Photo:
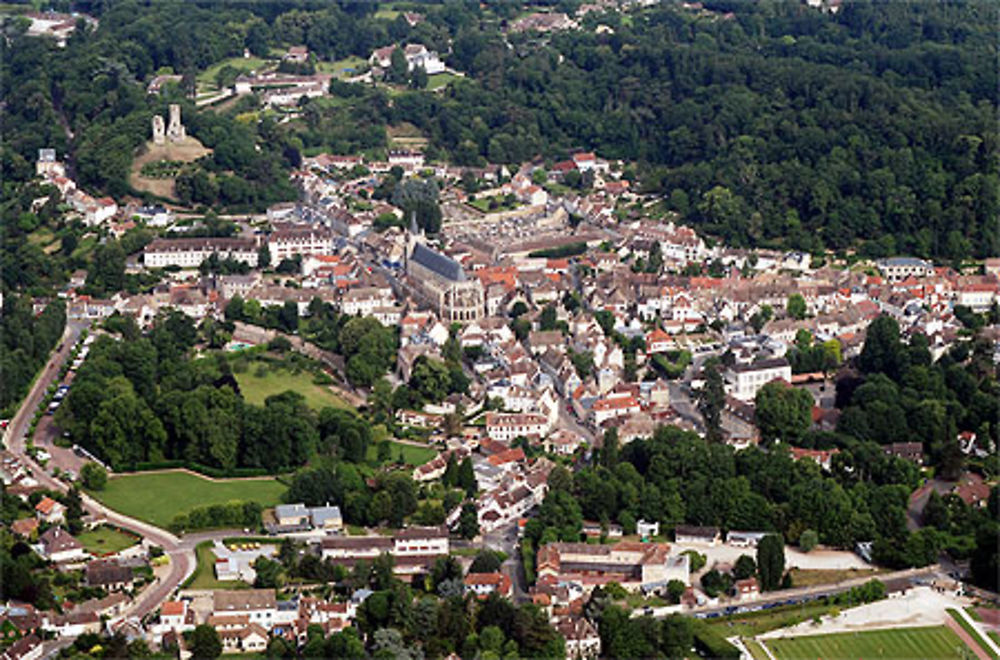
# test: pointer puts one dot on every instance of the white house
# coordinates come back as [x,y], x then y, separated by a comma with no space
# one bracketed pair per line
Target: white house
[743,380]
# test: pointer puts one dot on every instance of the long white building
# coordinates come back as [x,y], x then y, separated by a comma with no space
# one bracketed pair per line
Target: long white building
[190,252]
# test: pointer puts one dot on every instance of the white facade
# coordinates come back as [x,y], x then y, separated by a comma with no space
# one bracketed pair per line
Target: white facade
[505,428]
[190,252]
[744,380]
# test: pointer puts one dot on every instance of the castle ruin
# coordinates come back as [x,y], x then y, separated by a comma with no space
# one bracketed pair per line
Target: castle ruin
[174,131]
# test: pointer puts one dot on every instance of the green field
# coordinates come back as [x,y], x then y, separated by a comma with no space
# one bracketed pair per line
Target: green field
[241,63]
[439,80]
[337,68]
[752,624]
[204,572]
[931,642]
[972,632]
[158,497]
[106,540]
[412,455]
[255,389]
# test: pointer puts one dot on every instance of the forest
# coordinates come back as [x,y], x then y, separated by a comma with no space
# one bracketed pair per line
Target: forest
[25,342]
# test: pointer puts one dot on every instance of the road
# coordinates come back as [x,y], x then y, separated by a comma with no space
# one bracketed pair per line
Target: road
[181,553]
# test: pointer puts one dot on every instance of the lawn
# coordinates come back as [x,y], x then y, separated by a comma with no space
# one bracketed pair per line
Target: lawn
[972,632]
[930,642]
[755,650]
[412,455]
[255,389]
[810,578]
[337,68]
[439,80]
[756,623]
[106,540]
[204,572]
[241,63]
[158,497]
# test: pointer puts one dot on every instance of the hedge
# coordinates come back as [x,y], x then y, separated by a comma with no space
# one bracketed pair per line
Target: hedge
[711,644]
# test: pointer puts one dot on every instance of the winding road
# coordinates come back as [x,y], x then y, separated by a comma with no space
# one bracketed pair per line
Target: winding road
[180,551]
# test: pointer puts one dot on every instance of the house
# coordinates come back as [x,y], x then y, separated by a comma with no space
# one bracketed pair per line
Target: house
[49,511]
[108,575]
[252,638]
[897,269]
[190,252]
[744,539]
[505,427]
[659,341]
[327,518]
[698,535]
[26,648]
[291,515]
[59,546]
[910,451]
[483,584]
[296,55]
[823,457]
[176,615]
[260,606]
[746,589]
[634,565]
[647,529]
[582,639]
[744,380]
[25,527]
[613,407]
[413,548]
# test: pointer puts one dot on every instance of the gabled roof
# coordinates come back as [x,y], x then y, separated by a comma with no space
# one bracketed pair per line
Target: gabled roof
[438,263]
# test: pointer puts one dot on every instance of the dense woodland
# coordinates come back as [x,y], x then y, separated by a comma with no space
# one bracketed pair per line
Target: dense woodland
[25,342]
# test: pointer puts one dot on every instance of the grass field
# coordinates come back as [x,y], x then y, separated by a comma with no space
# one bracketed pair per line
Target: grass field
[439,80]
[755,650]
[809,578]
[337,68]
[255,389]
[972,632]
[412,455]
[203,576]
[931,642]
[158,497]
[752,624]
[106,540]
[240,63]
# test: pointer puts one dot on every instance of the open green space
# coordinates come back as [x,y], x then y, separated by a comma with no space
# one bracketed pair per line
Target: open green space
[973,633]
[930,642]
[337,67]
[276,380]
[203,576]
[412,455]
[439,80]
[241,63]
[158,497]
[106,540]
[752,624]
[755,650]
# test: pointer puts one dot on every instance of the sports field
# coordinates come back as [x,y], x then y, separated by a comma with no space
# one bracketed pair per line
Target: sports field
[277,380]
[158,497]
[936,642]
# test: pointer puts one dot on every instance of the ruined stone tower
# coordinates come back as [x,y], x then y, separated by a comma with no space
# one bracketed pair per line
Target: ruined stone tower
[159,136]
[175,130]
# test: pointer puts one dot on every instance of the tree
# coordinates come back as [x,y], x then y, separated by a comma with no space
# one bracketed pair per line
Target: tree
[676,636]
[398,67]
[93,476]
[770,561]
[486,561]
[782,412]
[205,642]
[796,306]
[744,567]
[808,540]
[263,257]
[883,351]
[675,589]
[711,401]
[547,319]
[468,521]
[467,477]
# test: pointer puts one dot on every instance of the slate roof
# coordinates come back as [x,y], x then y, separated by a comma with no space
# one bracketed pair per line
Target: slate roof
[444,266]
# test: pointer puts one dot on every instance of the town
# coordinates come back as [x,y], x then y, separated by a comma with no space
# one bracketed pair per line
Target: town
[522,408]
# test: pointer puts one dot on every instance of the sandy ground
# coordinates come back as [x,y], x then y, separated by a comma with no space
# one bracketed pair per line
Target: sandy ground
[922,606]
[817,559]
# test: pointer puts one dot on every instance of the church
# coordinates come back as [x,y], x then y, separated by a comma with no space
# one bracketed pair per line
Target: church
[442,283]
